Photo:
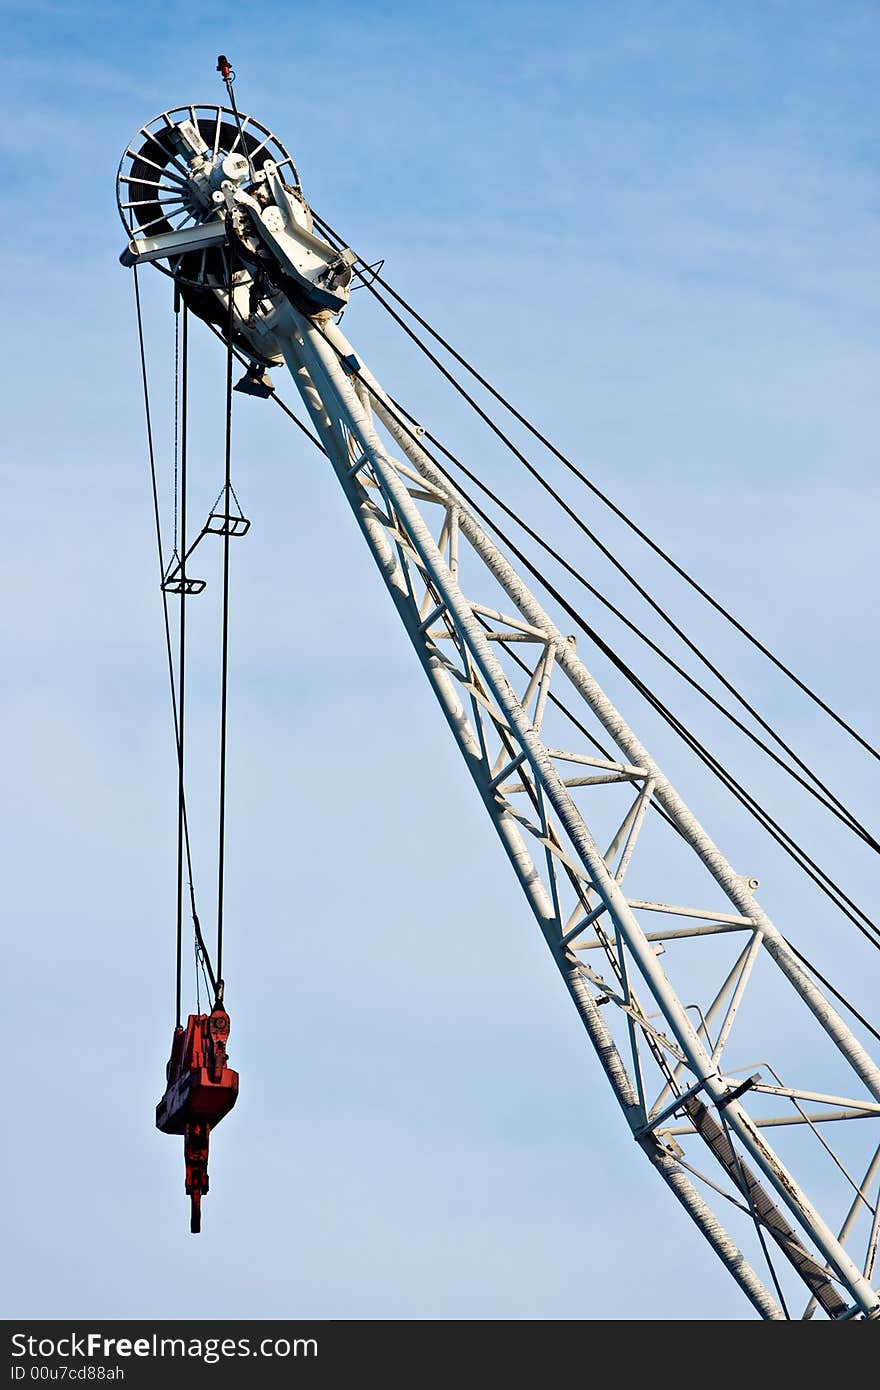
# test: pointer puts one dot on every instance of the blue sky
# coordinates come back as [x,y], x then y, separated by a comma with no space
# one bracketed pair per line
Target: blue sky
[657,225]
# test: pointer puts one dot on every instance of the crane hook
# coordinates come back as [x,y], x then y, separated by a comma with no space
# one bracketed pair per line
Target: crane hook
[201,1088]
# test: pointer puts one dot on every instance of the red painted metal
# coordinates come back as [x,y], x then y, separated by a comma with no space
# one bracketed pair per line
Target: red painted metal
[201,1089]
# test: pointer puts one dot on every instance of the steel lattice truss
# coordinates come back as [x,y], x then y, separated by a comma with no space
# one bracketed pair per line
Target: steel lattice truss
[592,840]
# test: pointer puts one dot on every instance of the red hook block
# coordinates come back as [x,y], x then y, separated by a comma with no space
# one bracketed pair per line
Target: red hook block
[201,1089]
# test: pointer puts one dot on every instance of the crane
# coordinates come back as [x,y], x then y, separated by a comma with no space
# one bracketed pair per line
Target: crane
[720,1044]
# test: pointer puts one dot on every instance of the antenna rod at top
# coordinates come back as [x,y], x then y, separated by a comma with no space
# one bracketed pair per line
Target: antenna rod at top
[227,72]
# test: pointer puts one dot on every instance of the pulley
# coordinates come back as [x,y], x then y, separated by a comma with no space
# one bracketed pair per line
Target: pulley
[201,1089]
[213,199]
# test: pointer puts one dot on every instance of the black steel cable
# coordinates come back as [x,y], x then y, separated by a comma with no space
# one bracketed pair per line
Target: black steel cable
[843,813]
[210,985]
[823,881]
[833,805]
[291,414]
[731,785]
[582,729]
[743,1184]
[183,393]
[228,79]
[661,811]
[787,842]
[747,1191]
[756,810]
[826,884]
[563,708]
[553,698]
[224,676]
[655,805]
[167,623]
[583,478]
[613,956]
[176,406]
[841,998]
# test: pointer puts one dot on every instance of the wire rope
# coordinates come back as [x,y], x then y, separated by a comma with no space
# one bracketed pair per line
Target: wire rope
[584,479]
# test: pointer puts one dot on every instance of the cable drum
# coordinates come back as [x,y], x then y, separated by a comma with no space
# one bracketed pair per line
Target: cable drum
[157,191]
